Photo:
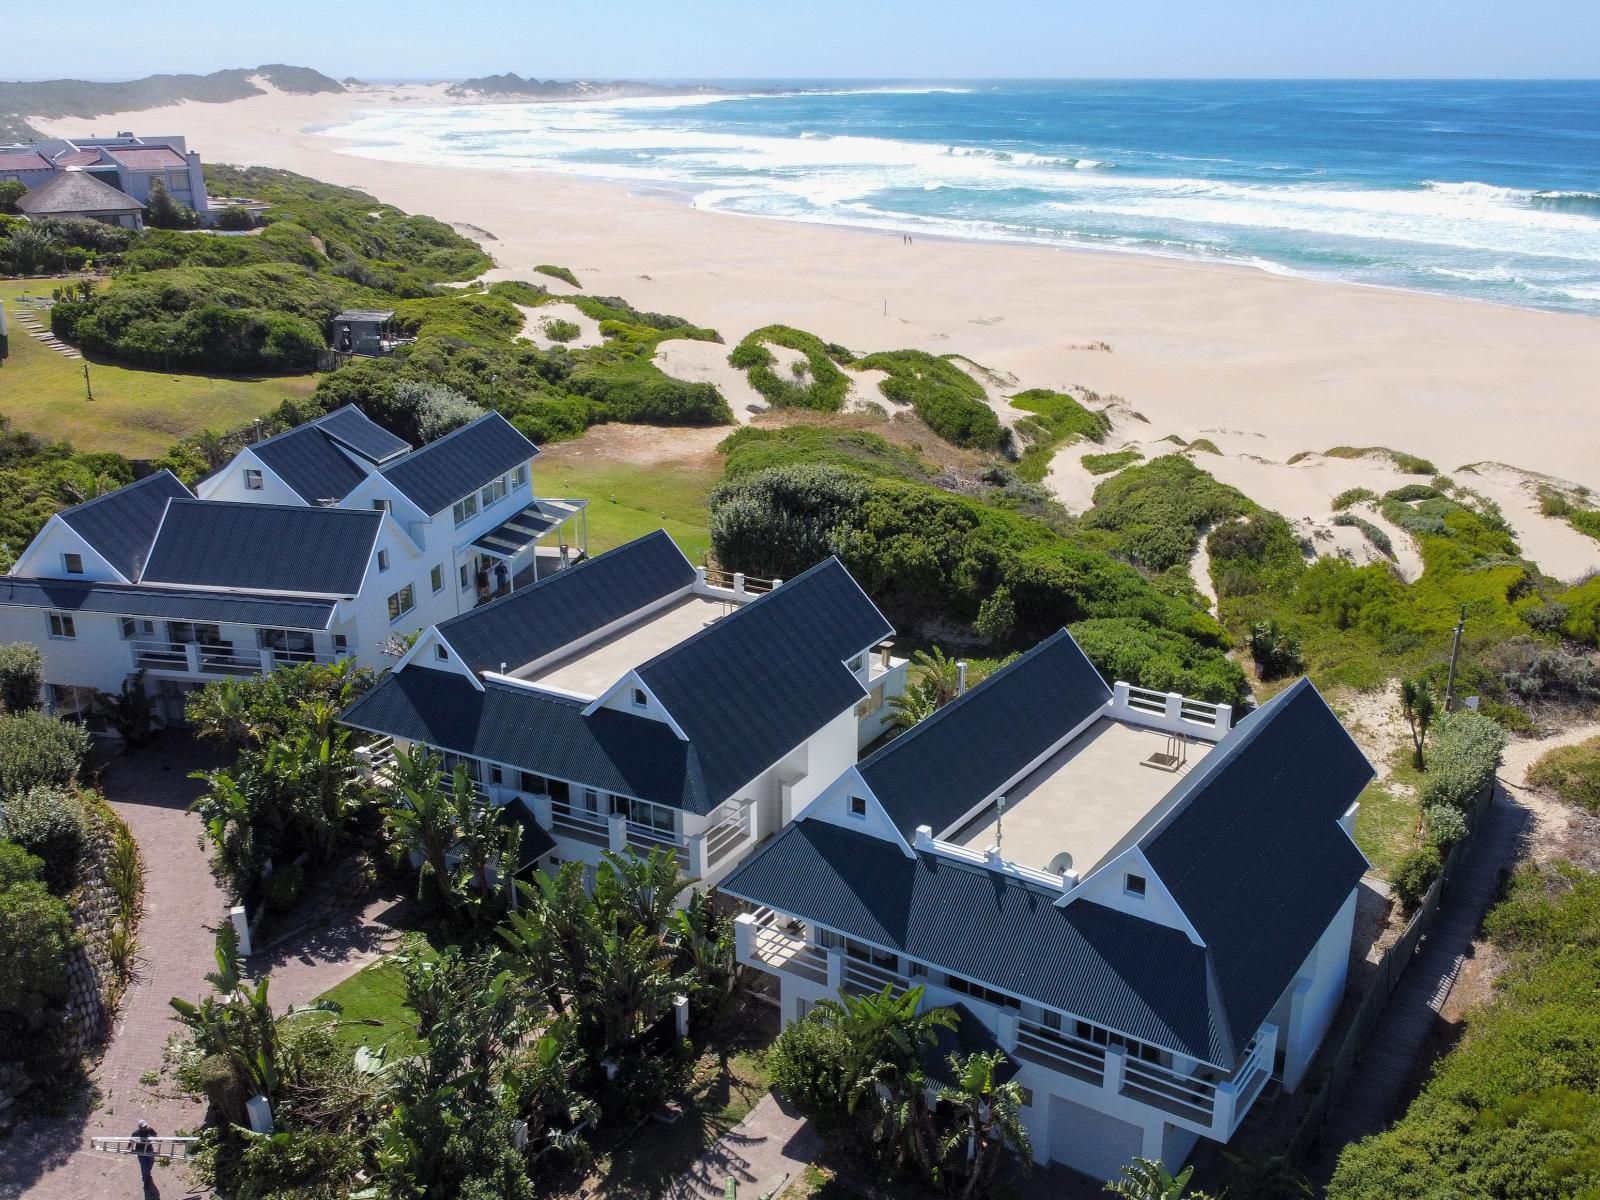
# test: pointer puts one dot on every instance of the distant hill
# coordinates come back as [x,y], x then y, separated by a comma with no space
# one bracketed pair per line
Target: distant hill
[82,98]
[573,89]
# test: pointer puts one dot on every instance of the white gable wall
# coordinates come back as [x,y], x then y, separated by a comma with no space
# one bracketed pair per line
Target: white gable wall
[228,483]
[832,804]
[42,558]
[1107,886]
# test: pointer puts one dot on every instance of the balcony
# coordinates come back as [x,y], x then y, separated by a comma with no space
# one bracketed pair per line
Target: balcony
[768,942]
[1061,1052]
[864,978]
[215,659]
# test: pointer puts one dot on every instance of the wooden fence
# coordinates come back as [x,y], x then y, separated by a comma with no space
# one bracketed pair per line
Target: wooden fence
[1391,967]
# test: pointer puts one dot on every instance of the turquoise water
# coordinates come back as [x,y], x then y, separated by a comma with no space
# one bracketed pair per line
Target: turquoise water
[1489,190]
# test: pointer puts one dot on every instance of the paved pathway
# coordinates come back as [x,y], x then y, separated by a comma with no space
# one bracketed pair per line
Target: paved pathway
[47,1159]
[763,1152]
[1395,1047]
[310,961]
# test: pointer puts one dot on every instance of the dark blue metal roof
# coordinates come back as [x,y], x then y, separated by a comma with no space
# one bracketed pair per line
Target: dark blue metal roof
[970,1036]
[935,772]
[1145,980]
[263,547]
[539,619]
[1251,849]
[358,433]
[121,525]
[437,475]
[130,600]
[535,731]
[751,687]
[311,464]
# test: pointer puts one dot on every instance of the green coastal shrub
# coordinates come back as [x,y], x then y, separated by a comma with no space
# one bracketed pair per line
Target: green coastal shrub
[1105,464]
[1414,875]
[1445,826]
[822,387]
[36,937]
[21,677]
[753,448]
[1371,532]
[1353,496]
[949,401]
[1462,760]
[1572,773]
[1058,420]
[1131,651]
[558,330]
[561,273]
[997,616]
[1157,511]
[51,824]
[38,751]
[519,291]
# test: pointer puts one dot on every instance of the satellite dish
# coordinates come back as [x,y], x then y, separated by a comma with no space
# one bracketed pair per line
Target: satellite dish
[1061,863]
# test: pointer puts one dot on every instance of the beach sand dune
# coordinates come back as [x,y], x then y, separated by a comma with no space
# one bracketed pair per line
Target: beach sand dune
[1289,364]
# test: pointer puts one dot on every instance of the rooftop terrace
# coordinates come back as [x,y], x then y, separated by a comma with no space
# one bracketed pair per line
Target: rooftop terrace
[1086,796]
[590,669]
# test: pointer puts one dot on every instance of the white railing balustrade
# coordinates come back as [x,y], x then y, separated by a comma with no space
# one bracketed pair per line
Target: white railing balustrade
[1170,712]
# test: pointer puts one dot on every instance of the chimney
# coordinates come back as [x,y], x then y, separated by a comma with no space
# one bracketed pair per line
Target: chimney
[961,677]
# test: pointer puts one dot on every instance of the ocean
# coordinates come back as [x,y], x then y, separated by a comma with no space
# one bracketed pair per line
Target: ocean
[1486,190]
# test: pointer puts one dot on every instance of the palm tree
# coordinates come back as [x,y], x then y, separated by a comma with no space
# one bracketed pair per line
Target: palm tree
[1143,1179]
[988,1119]
[937,681]
[640,892]
[422,825]
[1416,703]
[916,703]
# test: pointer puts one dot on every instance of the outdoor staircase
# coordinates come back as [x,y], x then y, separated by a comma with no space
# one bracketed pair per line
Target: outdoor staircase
[29,321]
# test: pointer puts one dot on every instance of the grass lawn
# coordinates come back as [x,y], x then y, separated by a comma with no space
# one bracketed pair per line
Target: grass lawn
[628,500]
[377,993]
[1386,826]
[136,413]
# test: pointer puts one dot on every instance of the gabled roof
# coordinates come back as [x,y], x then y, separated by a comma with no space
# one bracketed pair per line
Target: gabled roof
[1250,847]
[442,472]
[535,731]
[941,768]
[751,687]
[309,459]
[263,547]
[538,620]
[72,192]
[121,525]
[359,434]
[1143,979]
[131,600]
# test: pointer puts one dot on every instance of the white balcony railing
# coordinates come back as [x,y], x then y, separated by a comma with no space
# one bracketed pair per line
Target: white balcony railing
[1170,712]
[216,658]
[766,941]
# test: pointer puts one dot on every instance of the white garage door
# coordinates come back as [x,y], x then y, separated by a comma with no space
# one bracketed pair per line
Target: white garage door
[1090,1141]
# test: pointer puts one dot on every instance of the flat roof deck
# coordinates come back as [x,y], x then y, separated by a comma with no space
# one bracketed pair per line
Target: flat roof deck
[1084,798]
[592,669]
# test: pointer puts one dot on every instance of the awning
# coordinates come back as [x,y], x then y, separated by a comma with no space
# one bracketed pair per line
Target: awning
[536,840]
[513,536]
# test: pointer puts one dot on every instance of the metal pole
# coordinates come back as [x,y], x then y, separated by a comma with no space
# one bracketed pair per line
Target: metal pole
[1455,654]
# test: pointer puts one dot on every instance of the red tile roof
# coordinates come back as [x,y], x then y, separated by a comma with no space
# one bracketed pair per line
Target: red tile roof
[24,160]
[78,158]
[149,158]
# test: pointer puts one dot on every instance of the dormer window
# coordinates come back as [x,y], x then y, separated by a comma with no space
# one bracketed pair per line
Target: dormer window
[1134,885]
[858,807]
[382,506]
[465,510]
[72,564]
[441,653]
[640,700]
[252,479]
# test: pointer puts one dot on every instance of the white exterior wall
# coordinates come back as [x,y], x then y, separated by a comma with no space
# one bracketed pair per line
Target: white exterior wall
[228,484]
[42,558]
[1108,886]
[1312,1001]
[97,658]
[832,804]
[366,617]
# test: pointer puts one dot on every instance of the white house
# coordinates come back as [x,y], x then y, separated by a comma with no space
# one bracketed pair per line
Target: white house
[1148,909]
[465,501]
[128,164]
[633,701]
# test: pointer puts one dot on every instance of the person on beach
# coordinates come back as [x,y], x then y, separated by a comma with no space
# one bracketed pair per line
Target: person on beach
[145,1151]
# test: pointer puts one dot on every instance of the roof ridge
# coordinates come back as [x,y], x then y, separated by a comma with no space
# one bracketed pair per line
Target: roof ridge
[707,630]
[960,701]
[127,487]
[217,505]
[439,441]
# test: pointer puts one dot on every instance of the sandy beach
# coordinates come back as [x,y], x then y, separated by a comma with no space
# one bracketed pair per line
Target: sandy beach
[1263,365]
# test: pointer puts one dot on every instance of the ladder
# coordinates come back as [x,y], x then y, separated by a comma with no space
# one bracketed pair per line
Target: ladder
[161,1147]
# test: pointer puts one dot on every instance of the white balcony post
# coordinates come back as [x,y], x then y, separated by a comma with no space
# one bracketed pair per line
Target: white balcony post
[191,654]
[1119,697]
[744,937]
[835,970]
[543,811]
[695,853]
[1224,718]
[1116,1063]
[266,661]
[699,579]
[619,832]
[738,582]
[1174,707]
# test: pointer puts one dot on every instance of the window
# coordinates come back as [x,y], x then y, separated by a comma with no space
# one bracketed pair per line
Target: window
[978,992]
[528,782]
[1104,1037]
[657,818]
[383,560]
[72,564]
[382,506]
[440,652]
[61,626]
[133,627]
[465,510]
[591,802]
[858,662]
[252,480]
[402,602]
[466,577]
[493,491]
[858,806]
[436,577]
[1133,884]
[522,475]
[640,700]
[340,642]
[496,775]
